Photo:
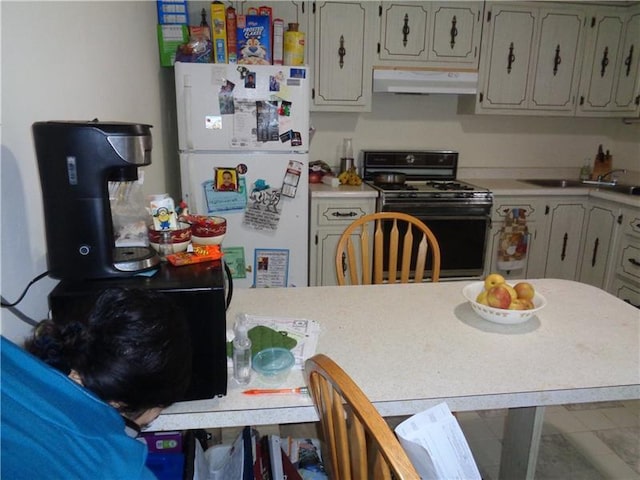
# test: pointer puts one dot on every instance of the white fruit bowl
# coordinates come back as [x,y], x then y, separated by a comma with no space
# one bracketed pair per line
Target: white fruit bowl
[499,315]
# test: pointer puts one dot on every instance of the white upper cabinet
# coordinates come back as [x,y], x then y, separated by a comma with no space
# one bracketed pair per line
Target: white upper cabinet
[532,59]
[429,34]
[604,42]
[455,33]
[558,58]
[610,84]
[343,48]
[557,61]
[627,95]
[404,31]
[509,46]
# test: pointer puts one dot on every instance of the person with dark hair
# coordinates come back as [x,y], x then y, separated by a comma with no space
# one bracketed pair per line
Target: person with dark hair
[114,370]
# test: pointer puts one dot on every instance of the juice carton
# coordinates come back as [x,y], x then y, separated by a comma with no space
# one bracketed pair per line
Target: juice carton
[254,40]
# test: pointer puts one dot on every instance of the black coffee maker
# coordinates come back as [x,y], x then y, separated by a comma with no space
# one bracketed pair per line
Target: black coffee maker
[77,160]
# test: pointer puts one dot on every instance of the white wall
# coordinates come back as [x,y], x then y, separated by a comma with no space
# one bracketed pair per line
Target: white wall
[69,61]
[82,60]
[431,121]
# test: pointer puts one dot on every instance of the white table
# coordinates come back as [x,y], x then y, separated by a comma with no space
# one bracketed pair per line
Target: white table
[410,347]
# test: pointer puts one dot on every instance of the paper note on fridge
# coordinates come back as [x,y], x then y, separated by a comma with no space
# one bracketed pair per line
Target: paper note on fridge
[436,445]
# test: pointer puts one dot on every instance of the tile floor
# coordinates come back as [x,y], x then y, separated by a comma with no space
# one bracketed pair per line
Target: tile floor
[593,441]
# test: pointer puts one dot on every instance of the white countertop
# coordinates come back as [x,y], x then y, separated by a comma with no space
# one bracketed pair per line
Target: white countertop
[320,190]
[410,347]
[506,186]
[499,187]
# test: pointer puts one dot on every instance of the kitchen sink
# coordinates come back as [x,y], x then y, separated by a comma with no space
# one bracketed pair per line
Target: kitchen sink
[627,189]
[562,183]
[555,183]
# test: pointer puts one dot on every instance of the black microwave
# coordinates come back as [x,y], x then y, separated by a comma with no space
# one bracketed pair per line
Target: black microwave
[198,289]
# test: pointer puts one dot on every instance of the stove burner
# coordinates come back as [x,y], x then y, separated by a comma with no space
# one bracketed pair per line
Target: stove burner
[396,186]
[448,185]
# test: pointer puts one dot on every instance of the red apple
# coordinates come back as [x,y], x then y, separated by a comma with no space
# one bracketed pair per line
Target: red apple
[499,297]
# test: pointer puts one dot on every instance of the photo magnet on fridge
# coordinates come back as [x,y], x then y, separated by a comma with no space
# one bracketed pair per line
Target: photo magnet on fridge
[226,179]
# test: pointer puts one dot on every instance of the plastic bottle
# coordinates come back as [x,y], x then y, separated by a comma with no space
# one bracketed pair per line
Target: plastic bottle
[241,351]
[585,171]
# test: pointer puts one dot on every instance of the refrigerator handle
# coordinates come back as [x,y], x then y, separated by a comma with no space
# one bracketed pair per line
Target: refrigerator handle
[187,112]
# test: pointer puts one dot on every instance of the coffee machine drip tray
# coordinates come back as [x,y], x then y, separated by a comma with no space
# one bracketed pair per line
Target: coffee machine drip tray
[134,259]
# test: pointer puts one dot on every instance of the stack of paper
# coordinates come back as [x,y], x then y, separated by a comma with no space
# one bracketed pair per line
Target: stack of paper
[436,445]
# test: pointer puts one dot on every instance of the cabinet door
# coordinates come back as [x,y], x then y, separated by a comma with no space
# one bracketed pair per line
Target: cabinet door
[510,46]
[597,245]
[343,51]
[557,62]
[565,230]
[455,33]
[627,96]
[597,82]
[403,31]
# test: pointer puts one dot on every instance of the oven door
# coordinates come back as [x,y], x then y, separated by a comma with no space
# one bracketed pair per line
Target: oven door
[461,229]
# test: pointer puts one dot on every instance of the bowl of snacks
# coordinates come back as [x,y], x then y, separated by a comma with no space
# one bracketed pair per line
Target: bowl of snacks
[180,237]
[206,230]
[497,301]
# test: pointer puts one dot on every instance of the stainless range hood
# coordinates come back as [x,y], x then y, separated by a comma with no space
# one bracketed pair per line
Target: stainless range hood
[425,82]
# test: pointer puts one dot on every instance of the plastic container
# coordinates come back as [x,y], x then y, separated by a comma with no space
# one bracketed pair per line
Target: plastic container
[293,46]
[585,171]
[273,365]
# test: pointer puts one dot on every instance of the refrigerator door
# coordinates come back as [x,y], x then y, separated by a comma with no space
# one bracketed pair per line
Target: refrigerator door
[224,107]
[266,240]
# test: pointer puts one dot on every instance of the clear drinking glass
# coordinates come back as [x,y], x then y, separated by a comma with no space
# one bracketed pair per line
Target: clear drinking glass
[165,246]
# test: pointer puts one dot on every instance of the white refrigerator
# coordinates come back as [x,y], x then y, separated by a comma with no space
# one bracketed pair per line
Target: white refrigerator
[243,135]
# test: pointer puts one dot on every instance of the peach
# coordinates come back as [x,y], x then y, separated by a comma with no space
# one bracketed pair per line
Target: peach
[524,290]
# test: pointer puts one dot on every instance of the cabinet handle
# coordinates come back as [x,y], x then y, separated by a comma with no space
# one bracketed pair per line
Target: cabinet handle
[556,60]
[342,52]
[405,30]
[595,252]
[338,214]
[605,61]
[454,31]
[564,246]
[635,262]
[629,60]
[510,58]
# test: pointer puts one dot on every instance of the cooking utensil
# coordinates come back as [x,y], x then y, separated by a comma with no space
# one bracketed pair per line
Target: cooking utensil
[389,178]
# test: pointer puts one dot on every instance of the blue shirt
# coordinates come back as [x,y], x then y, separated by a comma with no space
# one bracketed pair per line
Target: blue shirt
[51,427]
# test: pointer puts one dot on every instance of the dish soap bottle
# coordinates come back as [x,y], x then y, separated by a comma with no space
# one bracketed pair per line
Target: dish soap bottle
[585,171]
[241,351]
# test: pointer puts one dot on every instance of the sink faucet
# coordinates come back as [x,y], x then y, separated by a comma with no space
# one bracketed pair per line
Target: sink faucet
[611,172]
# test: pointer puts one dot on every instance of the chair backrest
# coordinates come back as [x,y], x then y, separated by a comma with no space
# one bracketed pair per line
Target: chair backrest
[392,233]
[357,443]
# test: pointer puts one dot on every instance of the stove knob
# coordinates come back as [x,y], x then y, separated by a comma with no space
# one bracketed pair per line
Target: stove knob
[410,159]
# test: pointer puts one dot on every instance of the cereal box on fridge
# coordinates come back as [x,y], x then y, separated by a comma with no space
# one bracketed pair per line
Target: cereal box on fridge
[254,40]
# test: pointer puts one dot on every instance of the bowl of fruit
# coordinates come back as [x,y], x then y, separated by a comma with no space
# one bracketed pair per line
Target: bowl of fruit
[497,301]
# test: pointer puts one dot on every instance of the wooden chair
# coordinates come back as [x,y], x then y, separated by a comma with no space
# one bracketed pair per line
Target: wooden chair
[389,229]
[357,442]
